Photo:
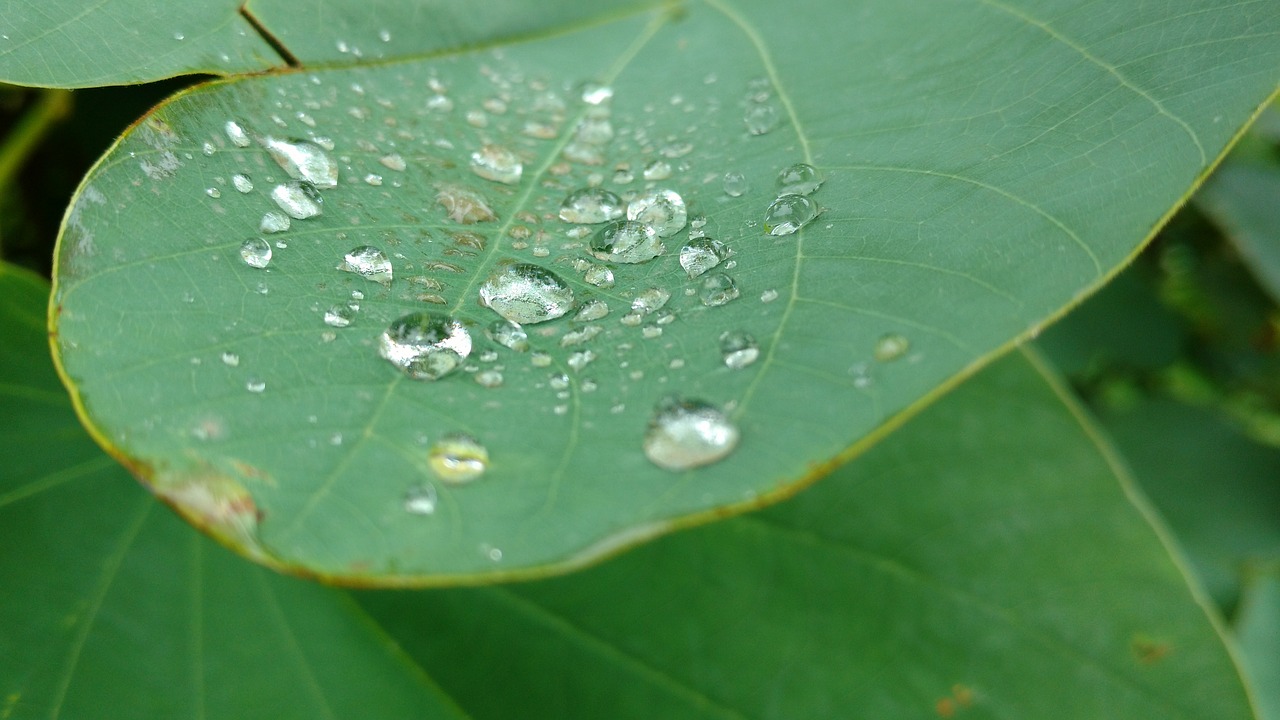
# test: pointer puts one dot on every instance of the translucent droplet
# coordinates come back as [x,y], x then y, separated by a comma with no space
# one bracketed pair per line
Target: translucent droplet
[589,206]
[580,359]
[463,205]
[650,300]
[657,170]
[626,241]
[340,316]
[761,118]
[788,214]
[596,94]
[718,289]
[489,378]
[526,293]
[236,134]
[891,347]
[273,222]
[369,262]
[592,310]
[425,347]
[255,252]
[768,296]
[242,183]
[599,276]
[230,359]
[685,434]
[700,255]
[458,458]
[394,161]
[496,163]
[663,210]
[303,161]
[735,184]
[373,179]
[738,349]
[799,179]
[421,499]
[255,385]
[508,334]
[539,358]
[558,381]
[650,331]
[580,336]
[300,200]
[213,192]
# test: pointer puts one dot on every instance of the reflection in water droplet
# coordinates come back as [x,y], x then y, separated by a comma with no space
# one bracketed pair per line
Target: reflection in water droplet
[626,241]
[340,316]
[300,200]
[735,184]
[526,293]
[592,310]
[599,276]
[303,161]
[236,134]
[589,206]
[891,347]
[508,334]
[799,179]
[458,458]
[718,289]
[242,183]
[738,349]
[368,262]
[255,252]
[663,210]
[425,347]
[685,434]
[700,255]
[788,214]
[274,222]
[650,300]
[496,163]
[760,118]
[421,499]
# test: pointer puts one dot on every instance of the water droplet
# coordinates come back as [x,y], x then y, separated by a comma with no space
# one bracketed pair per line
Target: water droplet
[384,35]
[373,179]
[463,205]
[369,262]
[599,276]
[458,458]
[799,179]
[761,118]
[274,222]
[255,252]
[788,214]
[589,206]
[526,293]
[540,359]
[231,359]
[424,346]
[303,161]
[580,336]
[255,385]
[394,161]
[663,210]
[626,241]
[208,149]
[685,434]
[213,192]
[735,184]
[300,200]
[650,300]
[340,316]
[596,94]
[768,296]
[496,163]
[242,182]
[420,499]
[508,334]
[718,289]
[489,378]
[657,170]
[651,331]
[700,255]
[891,347]
[738,349]
[558,381]
[439,103]
[592,310]
[580,359]
[236,134]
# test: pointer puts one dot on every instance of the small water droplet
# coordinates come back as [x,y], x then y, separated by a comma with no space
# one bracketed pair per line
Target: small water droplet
[208,149]
[300,200]
[788,214]
[463,205]
[340,316]
[580,359]
[274,222]
[458,458]
[700,255]
[303,160]
[393,161]
[589,206]
[580,336]
[236,134]
[230,359]
[718,289]
[651,331]
[626,241]
[650,300]
[369,262]
[799,179]
[508,334]
[540,359]
[373,179]
[891,347]
[242,183]
[213,192]
[663,210]
[526,293]
[761,118]
[599,276]
[489,378]
[425,347]
[596,93]
[255,252]
[496,163]
[738,349]
[255,385]
[768,296]
[735,184]
[420,499]
[657,170]
[384,35]
[685,434]
[592,310]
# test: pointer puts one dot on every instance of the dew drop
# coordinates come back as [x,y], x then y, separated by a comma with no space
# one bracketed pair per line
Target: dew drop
[368,262]
[213,192]
[540,359]
[685,434]
[496,163]
[788,214]
[738,349]
[580,359]
[242,183]
[657,170]
[526,293]
[580,336]
[799,179]
[663,210]
[599,276]
[303,160]
[589,206]
[394,161]
[735,184]
[236,134]
[558,381]
[489,378]
[458,458]
[700,255]
[891,347]
[626,241]
[463,205]
[340,316]
[596,94]
[300,200]
[508,334]
[373,179]
[274,222]
[255,252]
[650,300]
[425,347]
[421,499]
[230,359]
[592,310]
[761,118]
[768,296]
[255,385]
[718,289]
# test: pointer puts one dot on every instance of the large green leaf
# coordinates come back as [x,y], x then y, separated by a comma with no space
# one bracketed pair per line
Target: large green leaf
[968,566]
[985,165]
[1259,630]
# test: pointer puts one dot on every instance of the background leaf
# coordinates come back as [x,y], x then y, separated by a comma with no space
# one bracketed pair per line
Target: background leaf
[985,166]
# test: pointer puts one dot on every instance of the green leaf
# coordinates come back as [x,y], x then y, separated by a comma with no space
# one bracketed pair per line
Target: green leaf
[112,607]
[985,166]
[1258,627]
[1241,197]
[987,560]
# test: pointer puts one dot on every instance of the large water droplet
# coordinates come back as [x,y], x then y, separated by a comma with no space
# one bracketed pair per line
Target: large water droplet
[255,252]
[685,434]
[300,200]
[274,222]
[788,214]
[508,334]
[425,347]
[526,293]
[236,134]
[663,210]
[738,349]
[626,241]
[458,458]
[700,255]
[589,206]
[761,118]
[799,179]
[891,347]
[368,262]
[496,163]
[718,289]
[303,161]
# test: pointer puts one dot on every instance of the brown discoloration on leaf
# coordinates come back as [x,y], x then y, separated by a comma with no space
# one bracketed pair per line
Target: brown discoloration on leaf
[1148,650]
